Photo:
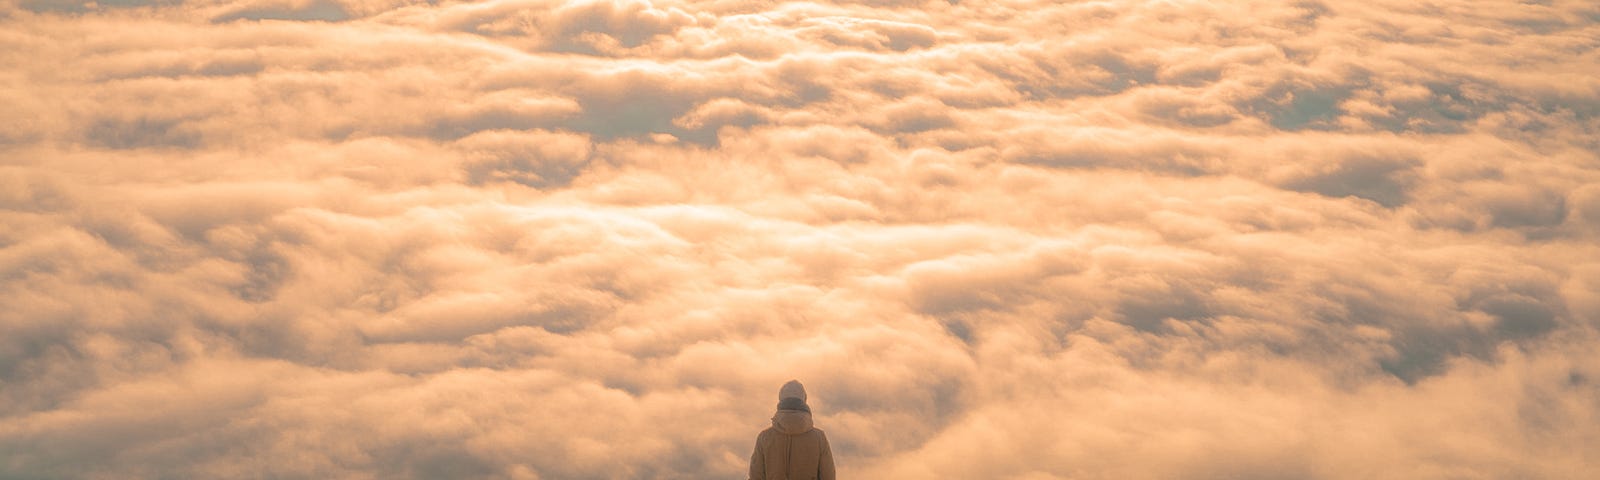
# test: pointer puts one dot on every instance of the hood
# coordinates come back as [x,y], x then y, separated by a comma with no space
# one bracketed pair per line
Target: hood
[792,389]
[792,422]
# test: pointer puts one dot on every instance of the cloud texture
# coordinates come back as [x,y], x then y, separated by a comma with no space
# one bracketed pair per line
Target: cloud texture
[1017,240]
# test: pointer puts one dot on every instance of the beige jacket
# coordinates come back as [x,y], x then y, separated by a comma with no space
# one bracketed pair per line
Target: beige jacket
[791,450]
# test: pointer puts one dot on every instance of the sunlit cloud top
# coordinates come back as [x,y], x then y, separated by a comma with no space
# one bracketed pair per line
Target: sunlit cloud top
[995,239]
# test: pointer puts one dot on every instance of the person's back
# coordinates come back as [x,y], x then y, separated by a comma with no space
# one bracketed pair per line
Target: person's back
[792,448]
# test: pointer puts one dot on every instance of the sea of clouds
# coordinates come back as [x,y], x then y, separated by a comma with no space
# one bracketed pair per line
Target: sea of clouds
[1008,239]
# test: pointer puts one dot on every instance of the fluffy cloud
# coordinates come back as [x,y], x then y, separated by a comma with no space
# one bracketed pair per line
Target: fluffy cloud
[546,239]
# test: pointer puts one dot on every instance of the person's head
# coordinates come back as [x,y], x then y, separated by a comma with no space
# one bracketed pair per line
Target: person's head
[793,397]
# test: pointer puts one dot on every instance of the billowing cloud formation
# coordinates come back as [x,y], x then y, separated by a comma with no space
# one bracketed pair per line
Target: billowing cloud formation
[545,239]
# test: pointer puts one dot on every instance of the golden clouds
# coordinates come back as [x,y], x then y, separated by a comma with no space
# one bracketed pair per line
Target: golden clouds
[544,239]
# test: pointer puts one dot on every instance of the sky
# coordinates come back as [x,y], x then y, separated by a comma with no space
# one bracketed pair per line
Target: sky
[1011,239]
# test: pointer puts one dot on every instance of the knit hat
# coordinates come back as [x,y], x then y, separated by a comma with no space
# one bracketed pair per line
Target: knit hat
[793,389]
[793,397]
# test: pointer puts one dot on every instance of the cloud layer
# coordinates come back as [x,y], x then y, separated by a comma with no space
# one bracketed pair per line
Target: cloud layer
[1032,240]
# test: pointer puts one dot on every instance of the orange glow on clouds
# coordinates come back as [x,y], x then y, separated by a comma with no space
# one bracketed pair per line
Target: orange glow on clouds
[545,239]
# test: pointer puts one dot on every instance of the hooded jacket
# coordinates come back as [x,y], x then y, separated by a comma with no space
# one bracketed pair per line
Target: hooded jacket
[792,448]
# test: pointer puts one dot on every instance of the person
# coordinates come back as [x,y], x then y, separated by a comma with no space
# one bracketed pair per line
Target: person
[792,448]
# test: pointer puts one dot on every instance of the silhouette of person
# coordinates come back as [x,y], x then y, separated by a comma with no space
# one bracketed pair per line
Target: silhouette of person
[792,449]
